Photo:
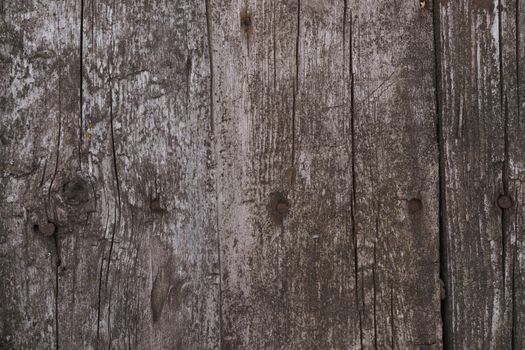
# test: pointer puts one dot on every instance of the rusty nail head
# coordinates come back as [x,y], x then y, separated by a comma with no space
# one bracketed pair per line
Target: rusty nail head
[282,207]
[155,205]
[504,202]
[47,229]
[415,205]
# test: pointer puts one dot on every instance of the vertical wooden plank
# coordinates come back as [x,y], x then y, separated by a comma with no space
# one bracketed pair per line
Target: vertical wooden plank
[475,167]
[319,240]
[86,197]
[517,183]
[396,174]
[281,111]
[510,200]
[38,95]
[139,270]
[253,51]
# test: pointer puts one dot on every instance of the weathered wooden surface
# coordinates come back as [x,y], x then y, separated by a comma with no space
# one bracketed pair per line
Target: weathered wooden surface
[262,174]
[396,171]
[39,108]
[482,161]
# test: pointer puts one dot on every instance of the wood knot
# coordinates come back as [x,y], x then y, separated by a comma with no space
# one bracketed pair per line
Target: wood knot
[245,19]
[279,207]
[415,205]
[75,191]
[504,202]
[46,229]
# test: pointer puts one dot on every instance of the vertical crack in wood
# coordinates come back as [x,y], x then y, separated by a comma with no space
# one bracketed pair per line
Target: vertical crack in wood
[57,153]
[500,53]
[505,185]
[57,289]
[81,92]
[374,279]
[514,313]
[505,223]
[517,20]
[353,200]
[214,145]
[210,54]
[117,210]
[345,9]
[374,283]
[48,206]
[296,81]
[100,275]
[514,253]
[505,177]
[443,240]
[274,49]
[56,307]
[42,178]
[392,325]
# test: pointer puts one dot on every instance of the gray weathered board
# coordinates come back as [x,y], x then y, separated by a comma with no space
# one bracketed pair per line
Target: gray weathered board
[262,174]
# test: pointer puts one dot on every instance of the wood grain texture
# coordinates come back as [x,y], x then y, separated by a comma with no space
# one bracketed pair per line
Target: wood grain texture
[254,72]
[396,175]
[511,46]
[481,161]
[294,174]
[147,126]
[39,66]
[517,174]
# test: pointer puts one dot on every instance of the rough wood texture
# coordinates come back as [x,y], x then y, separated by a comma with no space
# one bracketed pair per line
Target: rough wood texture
[396,173]
[482,158]
[513,221]
[294,174]
[39,103]
[146,147]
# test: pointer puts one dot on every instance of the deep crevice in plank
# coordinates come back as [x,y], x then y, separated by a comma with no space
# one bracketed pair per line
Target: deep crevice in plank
[514,313]
[210,54]
[81,91]
[505,176]
[353,207]
[345,10]
[517,19]
[56,305]
[374,279]
[296,81]
[117,211]
[392,325]
[212,132]
[374,282]
[443,241]
[55,239]
[505,223]
[57,154]
[274,49]
[514,253]
[504,107]
[99,301]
